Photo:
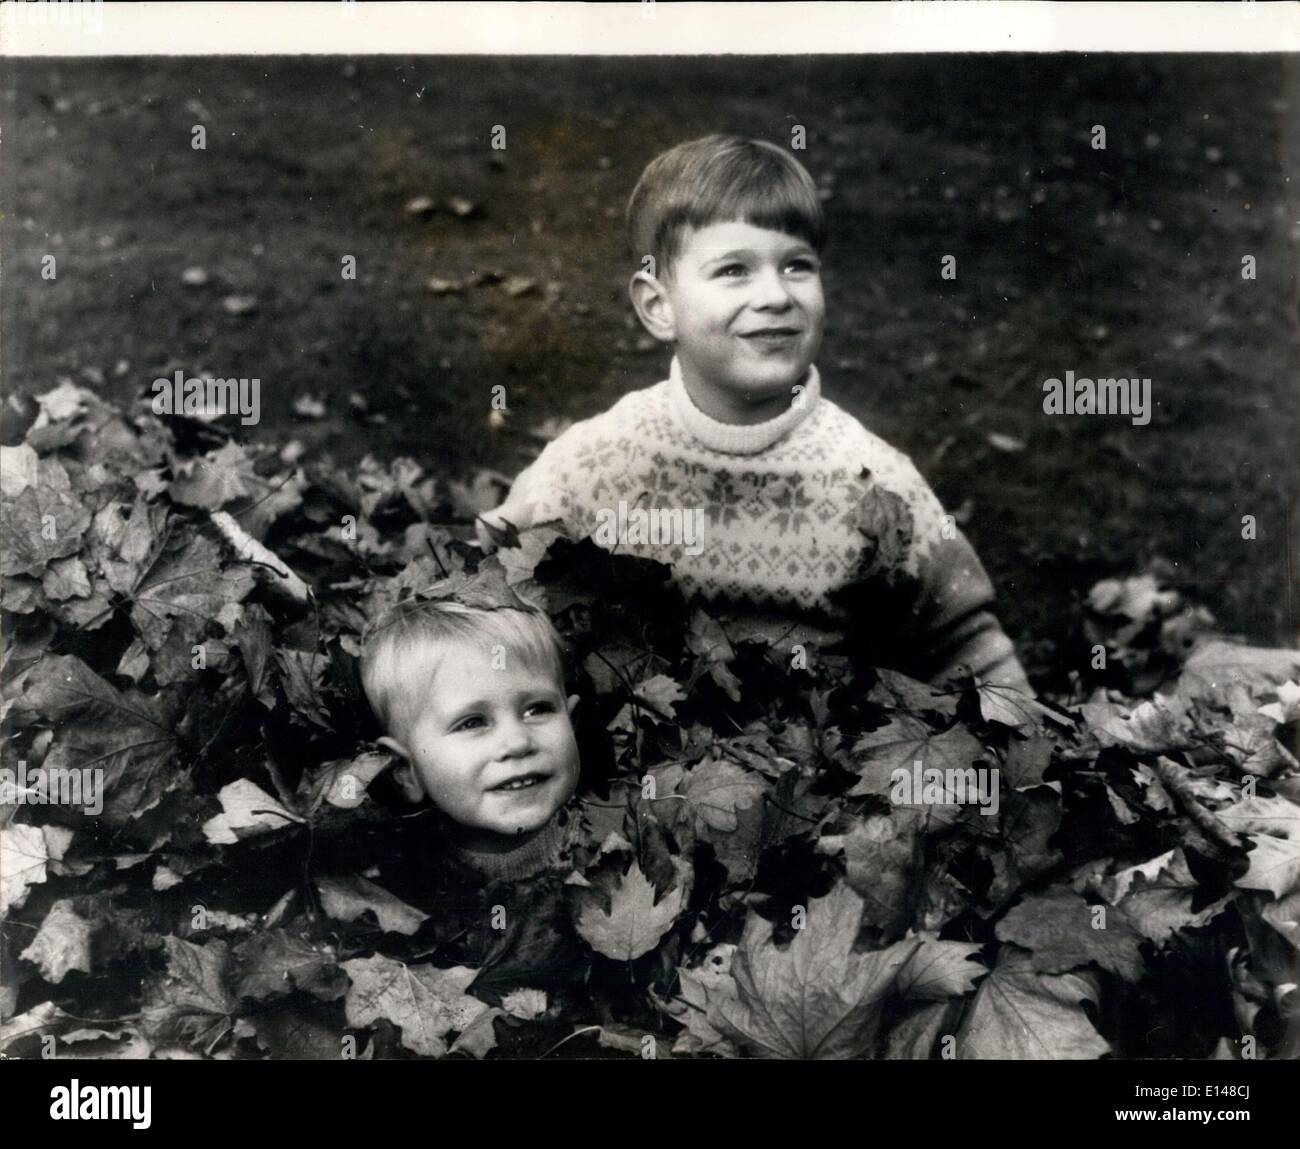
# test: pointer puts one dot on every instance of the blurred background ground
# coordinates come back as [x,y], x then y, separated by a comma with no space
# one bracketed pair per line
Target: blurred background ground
[1120,262]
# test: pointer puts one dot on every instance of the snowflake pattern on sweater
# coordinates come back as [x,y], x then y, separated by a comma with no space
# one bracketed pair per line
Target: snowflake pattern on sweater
[794,515]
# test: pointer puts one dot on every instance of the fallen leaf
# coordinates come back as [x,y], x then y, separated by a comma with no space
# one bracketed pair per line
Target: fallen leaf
[62,943]
[880,857]
[937,970]
[1059,928]
[274,963]
[346,899]
[246,811]
[425,1003]
[816,999]
[128,735]
[707,641]
[190,1005]
[717,789]
[239,304]
[1006,443]
[309,407]
[1156,896]
[1020,1014]
[634,923]
[904,741]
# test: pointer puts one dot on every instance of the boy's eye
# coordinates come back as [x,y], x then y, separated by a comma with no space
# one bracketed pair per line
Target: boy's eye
[731,270]
[542,707]
[803,264]
[473,722]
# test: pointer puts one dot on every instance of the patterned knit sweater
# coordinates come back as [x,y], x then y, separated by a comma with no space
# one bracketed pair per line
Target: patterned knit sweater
[806,518]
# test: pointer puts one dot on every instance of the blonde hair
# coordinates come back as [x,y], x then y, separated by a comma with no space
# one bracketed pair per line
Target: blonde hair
[401,652]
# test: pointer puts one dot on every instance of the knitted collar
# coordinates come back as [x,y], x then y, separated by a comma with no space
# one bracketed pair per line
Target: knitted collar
[739,438]
[527,859]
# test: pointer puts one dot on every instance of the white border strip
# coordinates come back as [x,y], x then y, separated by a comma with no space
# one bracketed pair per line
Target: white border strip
[641,28]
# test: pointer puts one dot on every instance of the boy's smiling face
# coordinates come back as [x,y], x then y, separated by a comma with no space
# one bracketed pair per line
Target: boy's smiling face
[744,307]
[493,747]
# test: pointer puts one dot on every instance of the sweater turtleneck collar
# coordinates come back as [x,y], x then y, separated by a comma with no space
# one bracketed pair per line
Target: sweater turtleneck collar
[531,857]
[740,438]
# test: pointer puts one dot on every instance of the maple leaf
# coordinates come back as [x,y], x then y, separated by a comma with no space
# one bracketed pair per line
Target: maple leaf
[1274,865]
[302,674]
[425,1003]
[712,981]
[1013,707]
[717,789]
[213,480]
[275,962]
[708,642]
[899,692]
[1023,1015]
[346,899]
[62,943]
[341,783]
[635,921]
[190,1005]
[127,735]
[660,693]
[1251,745]
[289,1035]
[520,556]
[937,970]
[1156,896]
[903,741]
[1058,927]
[122,540]
[20,467]
[1026,759]
[816,999]
[44,521]
[1158,724]
[913,1037]
[180,597]
[246,811]
[24,851]
[880,862]
[1029,819]
[887,529]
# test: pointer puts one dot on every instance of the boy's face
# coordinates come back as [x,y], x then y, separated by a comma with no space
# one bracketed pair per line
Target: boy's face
[744,306]
[493,747]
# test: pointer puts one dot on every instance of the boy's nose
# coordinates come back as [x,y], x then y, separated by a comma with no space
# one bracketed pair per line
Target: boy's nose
[770,290]
[516,739]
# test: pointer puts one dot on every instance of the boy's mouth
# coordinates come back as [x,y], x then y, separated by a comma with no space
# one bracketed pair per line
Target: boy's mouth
[520,782]
[772,336]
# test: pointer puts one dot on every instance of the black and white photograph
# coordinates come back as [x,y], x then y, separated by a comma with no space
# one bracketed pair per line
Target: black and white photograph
[591,532]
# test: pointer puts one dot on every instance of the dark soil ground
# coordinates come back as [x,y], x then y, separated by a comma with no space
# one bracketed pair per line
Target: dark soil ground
[1119,262]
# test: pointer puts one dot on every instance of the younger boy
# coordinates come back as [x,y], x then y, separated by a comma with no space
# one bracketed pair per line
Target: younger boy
[806,515]
[473,704]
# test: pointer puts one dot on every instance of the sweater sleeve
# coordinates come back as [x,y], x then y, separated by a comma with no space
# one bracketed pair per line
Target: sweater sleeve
[944,619]
[954,620]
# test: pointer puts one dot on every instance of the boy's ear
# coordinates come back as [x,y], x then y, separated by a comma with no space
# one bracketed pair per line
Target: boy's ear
[403,771]
[652,306]
[574,699]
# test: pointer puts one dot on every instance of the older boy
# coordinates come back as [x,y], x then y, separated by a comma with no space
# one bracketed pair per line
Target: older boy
[807,516]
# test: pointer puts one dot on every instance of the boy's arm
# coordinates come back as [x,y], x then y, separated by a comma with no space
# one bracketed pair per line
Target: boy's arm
[954,620]
[942,617]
